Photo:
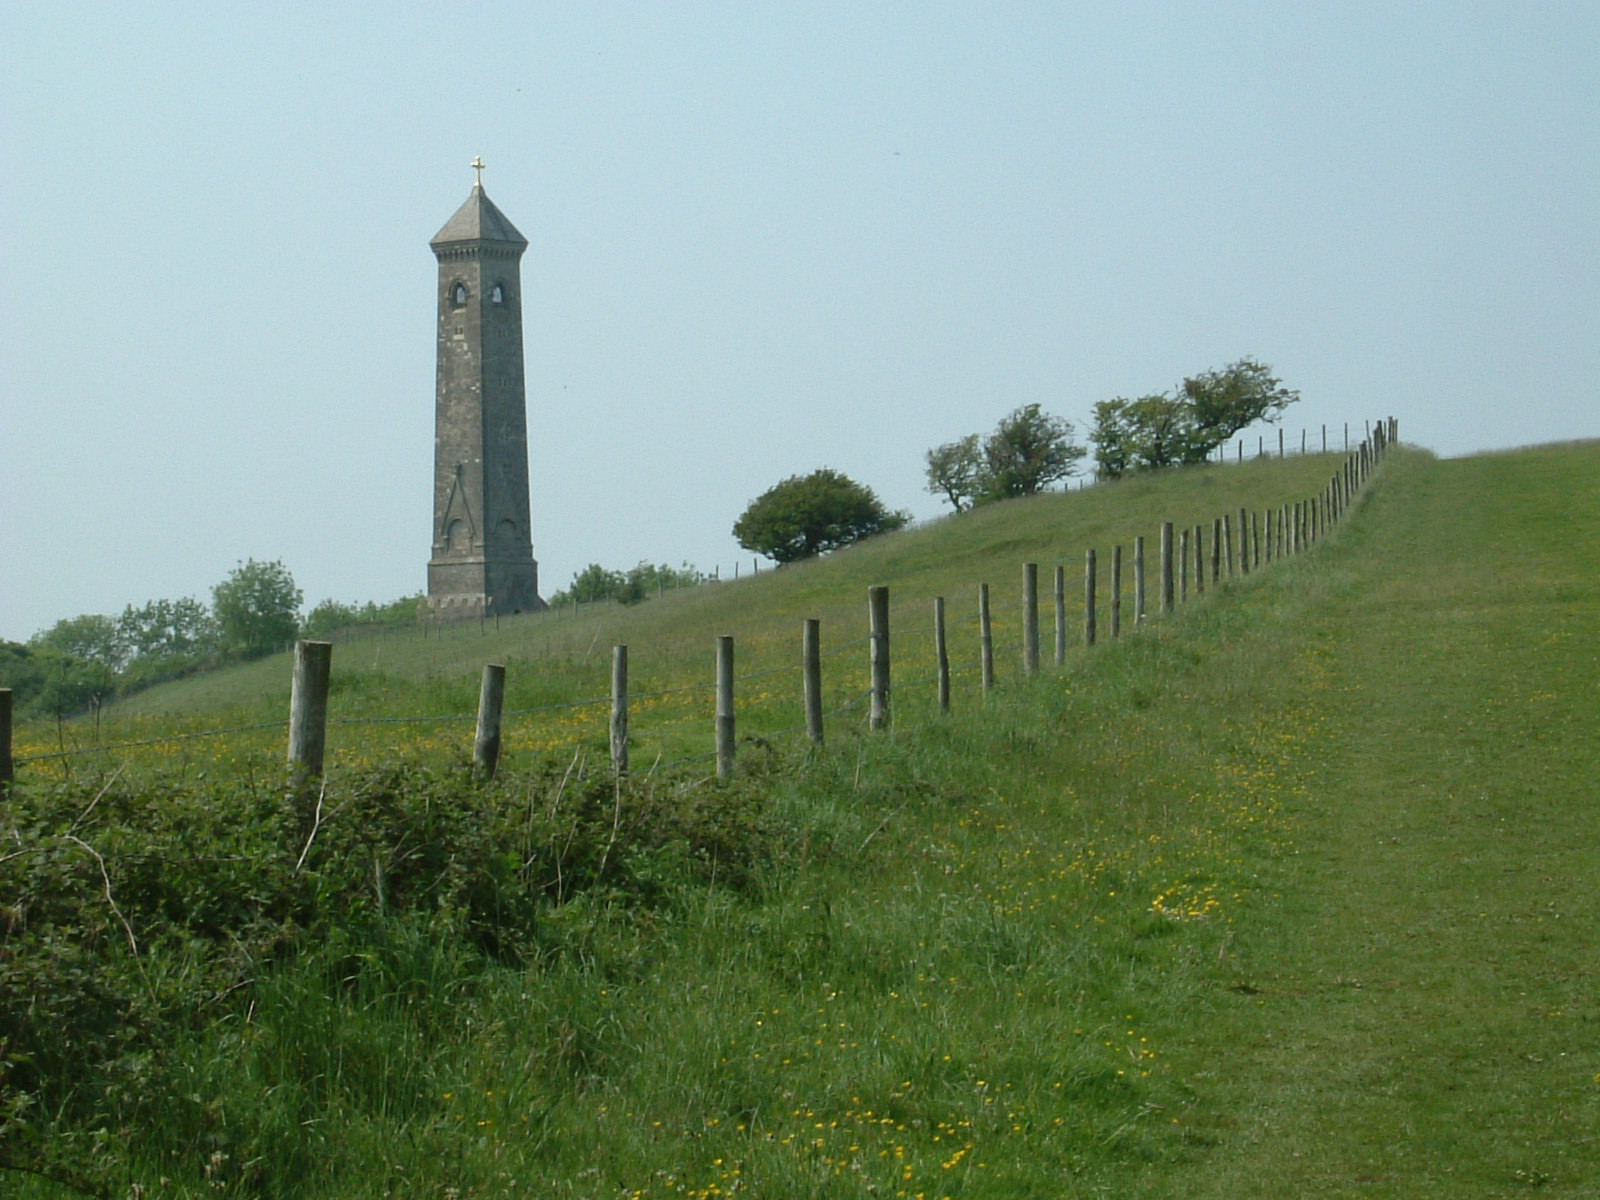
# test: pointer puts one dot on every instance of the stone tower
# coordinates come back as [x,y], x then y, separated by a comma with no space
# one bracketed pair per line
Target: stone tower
[482,559]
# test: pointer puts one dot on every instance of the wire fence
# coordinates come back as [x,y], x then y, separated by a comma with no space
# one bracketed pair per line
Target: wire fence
[770,703]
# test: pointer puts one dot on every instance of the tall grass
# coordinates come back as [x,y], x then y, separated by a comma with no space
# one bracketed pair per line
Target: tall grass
[1077,939]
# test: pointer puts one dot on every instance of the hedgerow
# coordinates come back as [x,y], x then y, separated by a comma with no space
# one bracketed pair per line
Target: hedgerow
[136,914]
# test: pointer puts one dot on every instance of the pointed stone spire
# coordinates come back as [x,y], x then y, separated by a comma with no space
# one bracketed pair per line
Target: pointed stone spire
[478,220]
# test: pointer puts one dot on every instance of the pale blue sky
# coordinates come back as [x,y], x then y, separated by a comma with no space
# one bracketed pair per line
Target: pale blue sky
[764,238]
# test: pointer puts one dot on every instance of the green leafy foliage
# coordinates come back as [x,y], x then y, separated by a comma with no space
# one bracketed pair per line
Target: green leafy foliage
[167,639]
[257,608]
[134,920]
[46,681]
[595,583]
[1028,451]
[330,616]
[90,638]
[958,471]
[1186,426]
[807,515]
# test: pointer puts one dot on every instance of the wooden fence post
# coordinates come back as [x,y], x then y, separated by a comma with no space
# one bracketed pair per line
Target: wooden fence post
[1088,599]
[1030,618]
[1138,580]
[1166,567]
[308,707]
[1216,551]
[985,639]
[619,710]
[725,727]
[1244,542]
[941,654]
[491,700]
[878,638]
[1255,539]
[1183,565]
[1061,614]
[8,765]
[811,672]
[1268,516]
[1116,590]
[1199,560]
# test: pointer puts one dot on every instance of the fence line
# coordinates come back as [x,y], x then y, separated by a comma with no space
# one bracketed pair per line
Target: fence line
[1265,536]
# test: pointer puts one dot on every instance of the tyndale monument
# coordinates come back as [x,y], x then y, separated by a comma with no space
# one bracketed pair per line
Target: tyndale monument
[482,562]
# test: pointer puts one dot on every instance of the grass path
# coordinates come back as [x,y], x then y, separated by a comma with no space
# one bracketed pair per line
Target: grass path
[1421,1017]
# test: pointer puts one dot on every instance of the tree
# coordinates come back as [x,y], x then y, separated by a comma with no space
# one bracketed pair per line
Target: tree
[648,579]
[22,669]
[161,629]
[90,638]
[807,515]
[1239,395]
[1187,425]
[957,471]
[331,615]
[257,608]
[592,583]
[1143,434]
[1028,451]
[595,582]
[69,667]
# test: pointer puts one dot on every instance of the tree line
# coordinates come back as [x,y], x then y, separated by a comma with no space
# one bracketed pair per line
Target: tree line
[1028,451]
[82,662]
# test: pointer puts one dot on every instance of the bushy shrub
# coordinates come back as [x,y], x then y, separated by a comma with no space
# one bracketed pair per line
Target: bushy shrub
[132,916]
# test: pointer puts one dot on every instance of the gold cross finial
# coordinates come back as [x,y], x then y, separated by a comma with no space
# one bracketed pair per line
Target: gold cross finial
[477,165]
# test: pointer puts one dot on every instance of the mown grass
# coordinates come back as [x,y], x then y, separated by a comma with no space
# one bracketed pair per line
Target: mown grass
[1259,902]
[1422,1018]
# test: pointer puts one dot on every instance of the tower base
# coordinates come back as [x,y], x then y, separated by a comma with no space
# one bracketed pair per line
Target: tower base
[468,588]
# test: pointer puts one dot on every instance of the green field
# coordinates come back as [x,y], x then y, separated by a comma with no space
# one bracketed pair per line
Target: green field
[1280,895]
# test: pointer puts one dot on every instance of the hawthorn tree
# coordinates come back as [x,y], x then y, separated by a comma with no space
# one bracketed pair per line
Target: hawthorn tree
[1187,425]
[957,471]
[1028,451]
[1143,434]
[807,515]
[1239,395]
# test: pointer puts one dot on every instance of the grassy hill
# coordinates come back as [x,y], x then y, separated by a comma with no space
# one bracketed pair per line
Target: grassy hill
[1282,896]
[555,658]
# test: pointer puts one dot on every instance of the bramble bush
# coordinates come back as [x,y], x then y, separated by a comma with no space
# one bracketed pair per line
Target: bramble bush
[136,917]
